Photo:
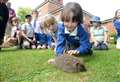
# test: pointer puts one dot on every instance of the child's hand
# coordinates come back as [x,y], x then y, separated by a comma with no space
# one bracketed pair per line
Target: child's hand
[34,39]
[73,52]
[30,40]
[106,43]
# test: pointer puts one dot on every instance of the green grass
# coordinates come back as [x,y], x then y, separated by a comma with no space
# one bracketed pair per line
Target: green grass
[31,66]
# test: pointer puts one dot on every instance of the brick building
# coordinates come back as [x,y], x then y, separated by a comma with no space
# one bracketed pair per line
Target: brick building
[108,23]
[55,8]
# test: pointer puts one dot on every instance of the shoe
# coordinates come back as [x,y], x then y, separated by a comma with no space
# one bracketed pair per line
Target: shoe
[39,47]
[43,47]
[33,47]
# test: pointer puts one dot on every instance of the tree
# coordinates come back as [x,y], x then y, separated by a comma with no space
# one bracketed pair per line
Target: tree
[22,12]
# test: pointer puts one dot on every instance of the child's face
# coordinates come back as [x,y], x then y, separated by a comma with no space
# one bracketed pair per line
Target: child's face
[15,22]
[118,14]
[70,25]
[35,14]
[28,19]
[52,27]
[95,24]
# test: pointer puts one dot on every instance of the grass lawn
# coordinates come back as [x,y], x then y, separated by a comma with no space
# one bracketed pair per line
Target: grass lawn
[31,66]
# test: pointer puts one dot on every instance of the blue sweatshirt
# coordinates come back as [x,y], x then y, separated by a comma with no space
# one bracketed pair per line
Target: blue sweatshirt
[80,40]
[52,37]
[117,27]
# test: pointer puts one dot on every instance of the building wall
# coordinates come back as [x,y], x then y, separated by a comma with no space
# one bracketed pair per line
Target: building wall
[43,9]
[56,9]
[49,8]
[110,27]
[53,7]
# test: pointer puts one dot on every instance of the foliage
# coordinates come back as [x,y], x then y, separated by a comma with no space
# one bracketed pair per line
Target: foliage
[22,12]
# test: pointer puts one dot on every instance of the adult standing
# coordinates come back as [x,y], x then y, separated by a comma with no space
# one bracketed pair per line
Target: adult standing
[11,15]
[4,15]
[11,11]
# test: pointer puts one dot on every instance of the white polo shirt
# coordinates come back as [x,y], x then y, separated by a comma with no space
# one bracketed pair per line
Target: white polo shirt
[28,29]
[36,26]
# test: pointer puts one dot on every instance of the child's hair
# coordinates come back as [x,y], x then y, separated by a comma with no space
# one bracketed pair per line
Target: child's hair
[49,20]
[34,11]
[116,12]
[72,11]
[115,17]
[28,16]
[13,19]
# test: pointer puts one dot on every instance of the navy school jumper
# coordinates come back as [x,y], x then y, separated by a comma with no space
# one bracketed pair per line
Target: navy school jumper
[80,42]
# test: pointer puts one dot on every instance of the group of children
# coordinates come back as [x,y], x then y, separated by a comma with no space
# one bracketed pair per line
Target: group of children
[30,34]
[69,36]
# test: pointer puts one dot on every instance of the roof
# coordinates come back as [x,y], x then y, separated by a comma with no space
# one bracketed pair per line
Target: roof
[107,21]
[46,1]
[59,9]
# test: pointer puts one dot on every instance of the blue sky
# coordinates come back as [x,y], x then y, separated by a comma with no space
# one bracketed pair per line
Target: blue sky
[103,8]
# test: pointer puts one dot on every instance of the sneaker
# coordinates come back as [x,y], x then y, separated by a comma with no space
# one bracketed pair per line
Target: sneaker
[43,47]
[33,46]
[39,47]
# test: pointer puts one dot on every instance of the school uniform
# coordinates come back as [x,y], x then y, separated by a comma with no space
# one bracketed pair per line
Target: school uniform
[14,31]
[4,15]
[98,34]
[52,37]
[40,36]
[29,31]
[77,40]
[117,27]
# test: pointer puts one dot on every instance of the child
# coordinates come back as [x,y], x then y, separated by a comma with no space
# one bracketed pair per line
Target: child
[50,27]
[99,34]
[11,15]
[116,22]
[40,36]
[15,37]
[28,33]
[71,36]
